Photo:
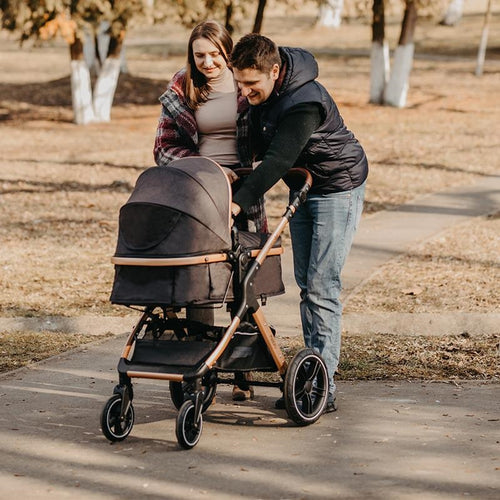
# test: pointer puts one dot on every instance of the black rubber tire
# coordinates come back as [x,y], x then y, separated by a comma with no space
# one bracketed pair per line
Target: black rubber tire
[179,395]
[111,426]
[306,387]
[187,434]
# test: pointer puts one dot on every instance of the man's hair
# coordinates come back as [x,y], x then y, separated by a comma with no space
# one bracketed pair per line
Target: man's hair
[255,52]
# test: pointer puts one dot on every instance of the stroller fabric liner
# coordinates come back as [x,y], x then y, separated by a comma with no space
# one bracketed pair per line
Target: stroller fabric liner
[180,211]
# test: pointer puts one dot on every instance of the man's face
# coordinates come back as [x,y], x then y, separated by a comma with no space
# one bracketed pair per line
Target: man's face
[255,85]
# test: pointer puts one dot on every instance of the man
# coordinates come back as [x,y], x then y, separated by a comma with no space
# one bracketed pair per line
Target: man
[295,122]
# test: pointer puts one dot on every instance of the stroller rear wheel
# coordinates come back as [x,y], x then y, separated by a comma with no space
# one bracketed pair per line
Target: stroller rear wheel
[188,431]
[306,387]
[179,391]
[114,427]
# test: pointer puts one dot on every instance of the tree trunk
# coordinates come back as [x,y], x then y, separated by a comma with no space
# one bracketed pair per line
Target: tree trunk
[229,15]
[330,13]
[379,58]
[107,80]
[91,52]
[81,86]
[453,13]
[481,54]
[96,48]
[259,17]
[397,88]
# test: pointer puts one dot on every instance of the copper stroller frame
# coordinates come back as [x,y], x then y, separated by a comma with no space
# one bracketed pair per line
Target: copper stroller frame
[116,425]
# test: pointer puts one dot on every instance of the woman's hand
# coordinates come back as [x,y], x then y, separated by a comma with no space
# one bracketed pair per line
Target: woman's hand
[230,174]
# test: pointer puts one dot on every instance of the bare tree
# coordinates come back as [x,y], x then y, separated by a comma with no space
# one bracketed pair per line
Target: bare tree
[453,14]
[45,19]
[397,88]
[259,16]
[330,13]
[481,54]
[379,58]
[390,85]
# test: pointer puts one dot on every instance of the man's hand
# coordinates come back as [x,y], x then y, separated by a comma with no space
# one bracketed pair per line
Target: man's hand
[230,174]
[235,209]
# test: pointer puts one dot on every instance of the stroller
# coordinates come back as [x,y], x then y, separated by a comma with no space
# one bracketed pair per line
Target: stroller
[176,250]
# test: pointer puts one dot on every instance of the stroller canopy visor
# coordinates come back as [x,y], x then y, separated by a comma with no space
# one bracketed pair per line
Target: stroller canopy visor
[178,210]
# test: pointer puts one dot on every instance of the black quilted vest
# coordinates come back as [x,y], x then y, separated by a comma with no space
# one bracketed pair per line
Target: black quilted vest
[333,155]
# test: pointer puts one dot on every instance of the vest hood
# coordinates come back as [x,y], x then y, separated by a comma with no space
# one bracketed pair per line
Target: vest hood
[301,67]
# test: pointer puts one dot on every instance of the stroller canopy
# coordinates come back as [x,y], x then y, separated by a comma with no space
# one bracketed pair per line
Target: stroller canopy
[179,210]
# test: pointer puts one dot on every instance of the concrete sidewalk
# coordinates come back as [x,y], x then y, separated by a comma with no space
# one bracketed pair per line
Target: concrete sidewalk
[387,441]
[396,440]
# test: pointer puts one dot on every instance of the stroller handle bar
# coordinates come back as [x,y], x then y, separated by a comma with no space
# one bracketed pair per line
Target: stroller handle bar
[297,199]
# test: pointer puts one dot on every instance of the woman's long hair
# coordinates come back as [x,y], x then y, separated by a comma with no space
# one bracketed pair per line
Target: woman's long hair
[196,87]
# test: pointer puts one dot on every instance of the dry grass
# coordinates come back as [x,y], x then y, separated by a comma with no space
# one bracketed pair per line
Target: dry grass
[21,348]
[457,271]
[392,357]
[427,358]
[61,186]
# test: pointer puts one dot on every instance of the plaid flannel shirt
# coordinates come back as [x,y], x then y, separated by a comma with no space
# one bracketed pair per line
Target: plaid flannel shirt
[177,137]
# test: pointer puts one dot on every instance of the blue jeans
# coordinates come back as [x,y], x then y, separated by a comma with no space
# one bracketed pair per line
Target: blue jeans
[322,231]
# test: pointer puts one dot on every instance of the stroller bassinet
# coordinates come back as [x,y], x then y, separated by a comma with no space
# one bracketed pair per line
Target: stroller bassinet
[176,228]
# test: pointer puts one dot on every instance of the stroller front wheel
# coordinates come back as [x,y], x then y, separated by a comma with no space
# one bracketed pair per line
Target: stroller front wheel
[188,431]
[113,427]
[179,391]
[306,387]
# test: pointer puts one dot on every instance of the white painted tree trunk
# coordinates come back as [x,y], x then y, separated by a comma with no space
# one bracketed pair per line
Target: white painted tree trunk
[105,87]
[397,88]
[89,53]
[379,72]
[103,38]
[81,92]
[123,60]
[453,13]
[481,53]
[330,13]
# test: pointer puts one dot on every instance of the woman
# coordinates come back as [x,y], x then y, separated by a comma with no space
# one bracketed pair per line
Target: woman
[203,114]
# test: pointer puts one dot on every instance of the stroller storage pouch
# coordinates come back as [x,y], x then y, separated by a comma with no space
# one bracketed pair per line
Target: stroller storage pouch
[246,351]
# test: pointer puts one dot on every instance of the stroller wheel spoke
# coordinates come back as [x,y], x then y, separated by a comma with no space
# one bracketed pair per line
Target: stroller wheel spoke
[307,403]
[313,370]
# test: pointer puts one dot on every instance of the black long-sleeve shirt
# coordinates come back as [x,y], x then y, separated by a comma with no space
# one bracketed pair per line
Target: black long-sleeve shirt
[292,134]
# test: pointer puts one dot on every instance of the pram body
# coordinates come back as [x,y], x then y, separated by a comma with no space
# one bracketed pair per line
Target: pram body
[176,249]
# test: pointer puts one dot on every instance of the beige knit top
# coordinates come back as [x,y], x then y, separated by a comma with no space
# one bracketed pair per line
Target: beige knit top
[216,121]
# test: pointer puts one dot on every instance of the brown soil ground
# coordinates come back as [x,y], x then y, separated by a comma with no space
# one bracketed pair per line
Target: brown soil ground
[61,185]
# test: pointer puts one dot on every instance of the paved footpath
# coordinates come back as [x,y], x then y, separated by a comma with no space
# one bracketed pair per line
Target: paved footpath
[397,440]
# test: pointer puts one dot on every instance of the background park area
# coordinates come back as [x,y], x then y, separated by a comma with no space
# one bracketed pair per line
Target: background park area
[61,185]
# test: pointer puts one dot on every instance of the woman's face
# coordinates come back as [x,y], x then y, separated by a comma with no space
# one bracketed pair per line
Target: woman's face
[208,58]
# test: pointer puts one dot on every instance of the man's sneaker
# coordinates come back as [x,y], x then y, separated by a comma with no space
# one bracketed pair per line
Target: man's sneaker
[331,406]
